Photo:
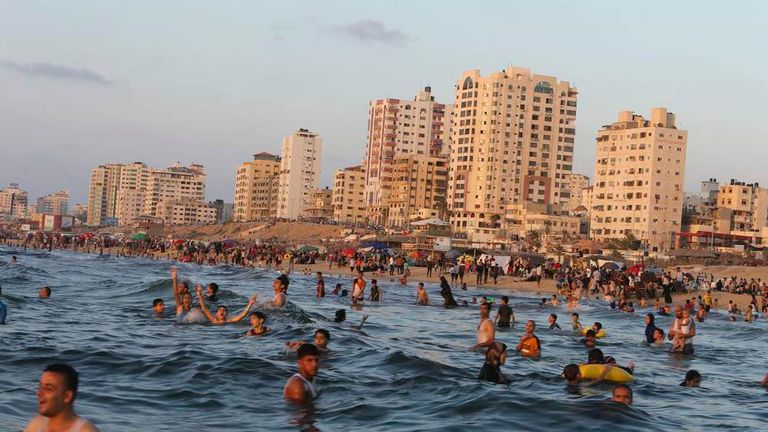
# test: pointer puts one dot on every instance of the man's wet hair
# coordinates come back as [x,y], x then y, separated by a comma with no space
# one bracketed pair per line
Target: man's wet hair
[71,377]
[224,307]
[259,315]
[214,287]
[156,302]
[341,315]
[595,356]
[571,372]
[505,299]
[324,332]
[307,349]
[599,325]
[624,386]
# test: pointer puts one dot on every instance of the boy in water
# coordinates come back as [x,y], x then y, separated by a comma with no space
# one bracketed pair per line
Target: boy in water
[553,325]
[300,388]
[222,313]
[257,325]
[505,314]
[682,329]
[575,322]
[321,338]
[158,307]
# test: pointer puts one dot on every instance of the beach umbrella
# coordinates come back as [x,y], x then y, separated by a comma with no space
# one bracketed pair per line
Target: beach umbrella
[87,235]
[178,242]
[350,252]
[138,236]
[377,245]
[228,243]
[307,249]
[451,254]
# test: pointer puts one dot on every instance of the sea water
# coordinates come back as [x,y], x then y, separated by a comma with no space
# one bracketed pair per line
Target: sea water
[408,369]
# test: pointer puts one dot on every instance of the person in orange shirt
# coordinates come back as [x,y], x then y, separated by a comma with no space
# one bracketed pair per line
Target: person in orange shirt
[529,345]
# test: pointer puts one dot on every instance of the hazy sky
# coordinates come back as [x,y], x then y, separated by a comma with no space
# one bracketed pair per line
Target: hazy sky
[89,82]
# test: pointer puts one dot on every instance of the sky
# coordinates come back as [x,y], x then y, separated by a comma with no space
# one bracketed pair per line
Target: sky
[83,83]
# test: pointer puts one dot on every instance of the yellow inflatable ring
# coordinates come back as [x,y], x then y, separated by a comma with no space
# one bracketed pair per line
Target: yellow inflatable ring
[615,374]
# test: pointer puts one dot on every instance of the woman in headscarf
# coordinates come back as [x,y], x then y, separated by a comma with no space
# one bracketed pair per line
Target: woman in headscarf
[650,327]
[445,291]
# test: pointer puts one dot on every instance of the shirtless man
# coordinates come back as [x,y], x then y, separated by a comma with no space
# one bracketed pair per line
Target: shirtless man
[320,285]
[358,290]
[222,313]
[422,298]
[486,331]
[622,394]
[676,330]
[56,402]
[300,388]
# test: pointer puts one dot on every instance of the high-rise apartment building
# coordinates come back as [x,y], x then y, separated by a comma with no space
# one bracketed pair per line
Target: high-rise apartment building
[131,192]
[639,174]
[400,127]
[257,188]
[349,195]
[186,183]
[418,187]
[299,172]
[13,201]
[126,191]
[102,193]
[56,203]
[576,185]
[512,141]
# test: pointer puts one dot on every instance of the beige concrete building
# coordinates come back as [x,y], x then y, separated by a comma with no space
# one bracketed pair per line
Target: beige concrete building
[13,201]
[257,188]
[576,185]
[56,203]
[185,183]
[512,142]
[638,187]
[126,191]
[349,195]
[523,218]
[102,193]
[418,188]
[401,127]
[748,203]
[299,172]
[320,205]
[185,212]
[132,192]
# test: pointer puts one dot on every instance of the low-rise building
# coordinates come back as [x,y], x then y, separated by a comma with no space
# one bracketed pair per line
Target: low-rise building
[320,205]
[185,212]
[523,218]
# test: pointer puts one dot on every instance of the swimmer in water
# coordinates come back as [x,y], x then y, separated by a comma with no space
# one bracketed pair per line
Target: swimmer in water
[320,289]
[494,358]
[257,325]
[341,317]
[279,288]
[575,324]
[555,301]
[56,402]
[692,379]
[422,298]
[553,325]
[44,293]
[3,308]
[572,375]
[322,337]
[622,394]
[158,307]
[300,388]
[590,339]
[529,345]
[210,292]
[222,313]
[486,331]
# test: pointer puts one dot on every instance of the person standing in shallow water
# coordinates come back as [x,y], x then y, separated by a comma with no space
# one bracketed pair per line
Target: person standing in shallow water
[300,388]
[494,358]
[486,332]
[320,285]
[56,402]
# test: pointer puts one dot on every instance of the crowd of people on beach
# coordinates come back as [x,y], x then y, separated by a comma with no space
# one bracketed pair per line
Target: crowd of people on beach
[619,288]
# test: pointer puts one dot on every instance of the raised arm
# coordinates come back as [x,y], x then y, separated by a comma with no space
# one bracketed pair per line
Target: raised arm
[362,321]
[174,282]
[245,311]
[203,306]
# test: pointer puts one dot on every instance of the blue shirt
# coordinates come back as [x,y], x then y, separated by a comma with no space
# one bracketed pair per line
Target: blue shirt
[3,312]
